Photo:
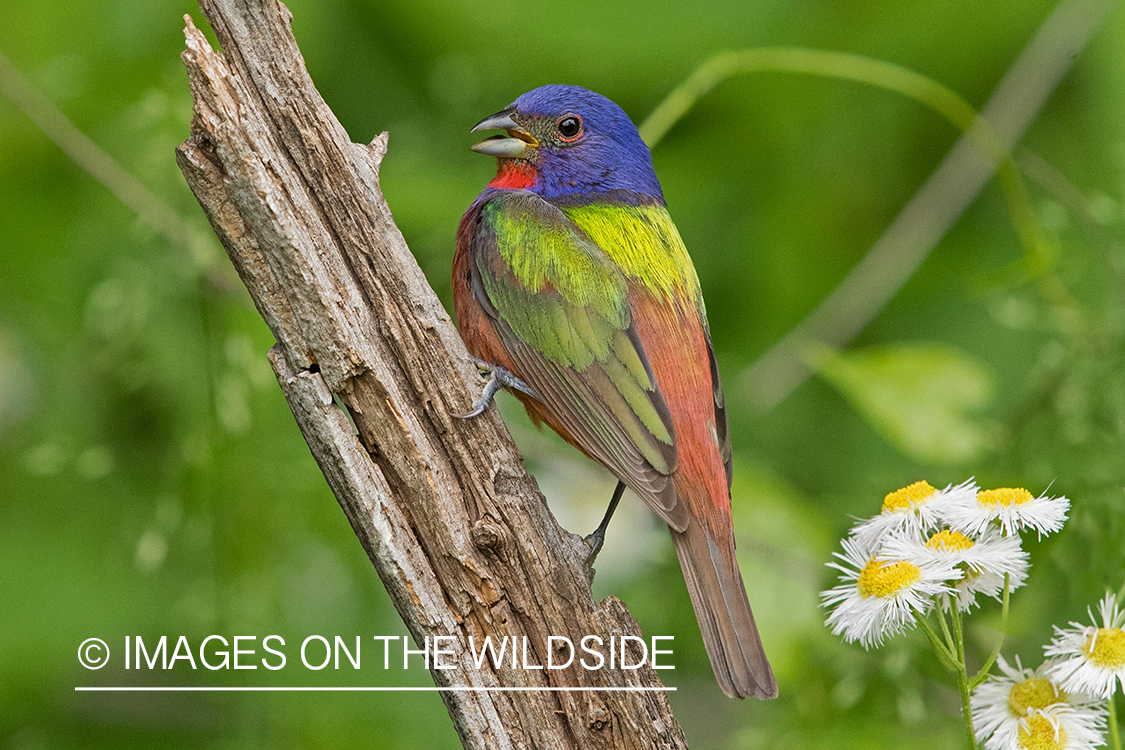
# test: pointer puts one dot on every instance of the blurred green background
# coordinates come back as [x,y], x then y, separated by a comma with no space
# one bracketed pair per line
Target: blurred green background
[152,481]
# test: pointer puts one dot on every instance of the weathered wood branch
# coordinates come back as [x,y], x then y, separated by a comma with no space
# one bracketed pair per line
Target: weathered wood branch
[456,529]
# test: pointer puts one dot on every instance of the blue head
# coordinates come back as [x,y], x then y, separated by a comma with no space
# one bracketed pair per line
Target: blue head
[566,140]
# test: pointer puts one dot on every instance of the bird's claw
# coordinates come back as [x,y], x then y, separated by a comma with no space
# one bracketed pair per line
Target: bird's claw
[594,541]
[597,538]
[499,378]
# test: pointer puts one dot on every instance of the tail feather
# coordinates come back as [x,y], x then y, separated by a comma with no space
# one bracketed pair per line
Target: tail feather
[723,611]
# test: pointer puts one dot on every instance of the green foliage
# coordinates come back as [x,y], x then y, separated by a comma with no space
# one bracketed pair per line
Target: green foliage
[152,480]
[923,398]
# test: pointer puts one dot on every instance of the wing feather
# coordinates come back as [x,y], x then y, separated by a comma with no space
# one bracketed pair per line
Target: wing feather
[559,305]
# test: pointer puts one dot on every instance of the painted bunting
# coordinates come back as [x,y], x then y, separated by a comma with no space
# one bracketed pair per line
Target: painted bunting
[572,285]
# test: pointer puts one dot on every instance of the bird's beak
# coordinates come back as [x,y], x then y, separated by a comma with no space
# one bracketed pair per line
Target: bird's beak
[514,146]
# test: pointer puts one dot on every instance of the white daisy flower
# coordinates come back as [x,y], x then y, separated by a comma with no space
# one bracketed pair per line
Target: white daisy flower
[879,595]
[983,560]
[914,509]
[1057,728]
[1023,708]
[1091,658]
[1011,508]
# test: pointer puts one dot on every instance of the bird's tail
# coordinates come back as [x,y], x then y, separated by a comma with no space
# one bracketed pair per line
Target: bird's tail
[723,611]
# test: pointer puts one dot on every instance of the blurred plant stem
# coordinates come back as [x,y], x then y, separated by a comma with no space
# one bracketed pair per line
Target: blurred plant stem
[198,244]
[956,182]
[809,61]
[879,73]
[150,208]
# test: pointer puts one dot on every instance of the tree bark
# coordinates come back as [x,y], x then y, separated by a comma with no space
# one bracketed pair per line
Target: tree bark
[457,531]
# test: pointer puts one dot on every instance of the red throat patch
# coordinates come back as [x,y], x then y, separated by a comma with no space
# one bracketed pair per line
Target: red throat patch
[513,175]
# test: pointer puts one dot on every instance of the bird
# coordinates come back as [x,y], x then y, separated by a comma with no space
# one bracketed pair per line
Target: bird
[573,288]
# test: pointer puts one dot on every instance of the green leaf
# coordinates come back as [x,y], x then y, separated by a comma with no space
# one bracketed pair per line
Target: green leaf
[922,397]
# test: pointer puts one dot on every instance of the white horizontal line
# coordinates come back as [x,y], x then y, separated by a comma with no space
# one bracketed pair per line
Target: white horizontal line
[312,689]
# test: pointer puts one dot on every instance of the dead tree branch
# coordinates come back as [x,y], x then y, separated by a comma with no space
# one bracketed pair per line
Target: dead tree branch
[456,529]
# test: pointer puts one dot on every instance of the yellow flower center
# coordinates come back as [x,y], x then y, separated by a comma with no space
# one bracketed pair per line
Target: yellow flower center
[1106,648]
[883,579]
[1004,496]
[949,540]
[1040,734]
[908,496]
[1034,693]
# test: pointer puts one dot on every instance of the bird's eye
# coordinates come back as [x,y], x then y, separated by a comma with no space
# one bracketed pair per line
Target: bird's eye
[569,127]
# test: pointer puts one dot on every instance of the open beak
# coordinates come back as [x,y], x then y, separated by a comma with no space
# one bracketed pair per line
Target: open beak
[513,146]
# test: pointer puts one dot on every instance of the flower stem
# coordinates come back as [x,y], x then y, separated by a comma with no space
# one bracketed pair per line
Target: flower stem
[962,677]
[1114,730]
[940,648]
[949,644]
[983,673]
[952,655]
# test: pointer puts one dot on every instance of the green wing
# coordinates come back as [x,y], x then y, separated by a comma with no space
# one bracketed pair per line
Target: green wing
[560,307]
